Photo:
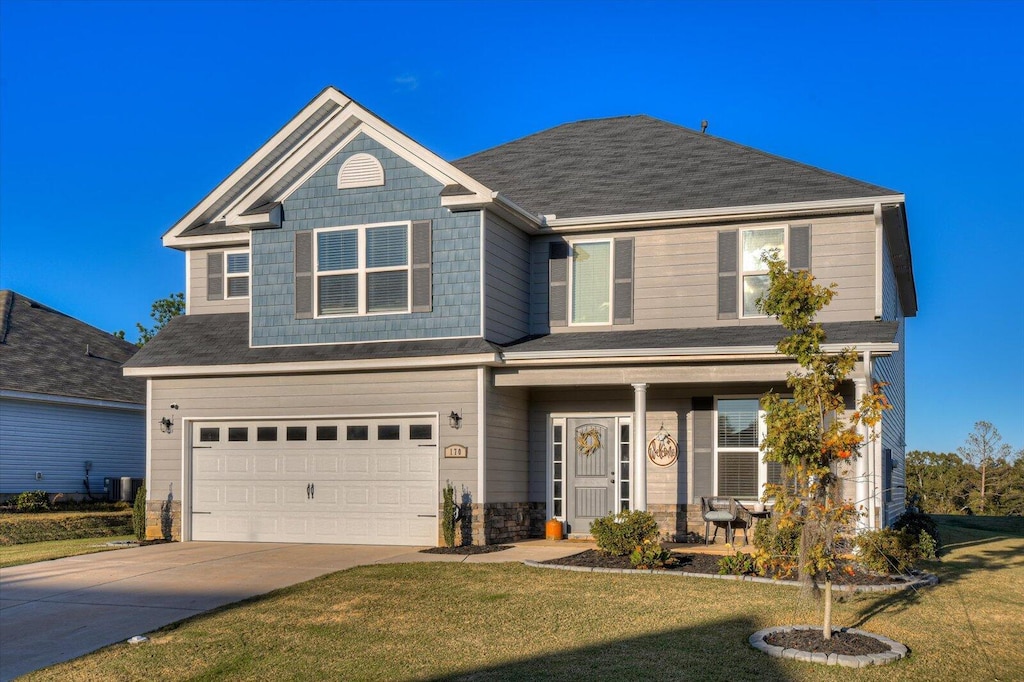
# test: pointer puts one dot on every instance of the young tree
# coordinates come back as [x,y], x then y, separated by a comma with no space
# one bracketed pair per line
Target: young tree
[810,434]
[982,448]
[162,311]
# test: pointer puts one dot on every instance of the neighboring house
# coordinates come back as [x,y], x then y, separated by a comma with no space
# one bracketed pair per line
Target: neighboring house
[69,418]
[561,326]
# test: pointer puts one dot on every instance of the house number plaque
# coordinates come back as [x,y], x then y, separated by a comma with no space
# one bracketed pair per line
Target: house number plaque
[456,452]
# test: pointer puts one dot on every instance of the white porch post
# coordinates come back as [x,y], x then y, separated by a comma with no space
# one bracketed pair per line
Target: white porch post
[639,441]
[862,490]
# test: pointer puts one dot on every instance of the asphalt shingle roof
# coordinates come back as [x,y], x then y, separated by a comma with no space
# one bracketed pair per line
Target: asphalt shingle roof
[45,351]
[639,164]
[223,339]
[845,333]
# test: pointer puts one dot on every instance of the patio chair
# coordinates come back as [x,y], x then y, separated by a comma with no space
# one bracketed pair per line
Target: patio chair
[724,512]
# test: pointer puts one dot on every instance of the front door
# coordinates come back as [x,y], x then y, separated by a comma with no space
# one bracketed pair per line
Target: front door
[591,472]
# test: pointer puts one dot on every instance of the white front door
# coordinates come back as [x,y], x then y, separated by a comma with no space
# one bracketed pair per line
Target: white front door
[351,481]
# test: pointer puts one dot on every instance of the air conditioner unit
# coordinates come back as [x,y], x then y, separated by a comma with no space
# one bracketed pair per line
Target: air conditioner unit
[122,488]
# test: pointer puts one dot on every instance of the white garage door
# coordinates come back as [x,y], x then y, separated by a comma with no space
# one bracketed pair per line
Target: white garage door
[369,481]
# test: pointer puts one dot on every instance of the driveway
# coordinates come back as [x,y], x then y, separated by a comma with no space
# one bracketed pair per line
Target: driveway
[54,611]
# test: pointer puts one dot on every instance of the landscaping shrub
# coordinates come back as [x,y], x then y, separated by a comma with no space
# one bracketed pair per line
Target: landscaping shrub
[19,529]
[888,550]
[649,555]
[778,546]
[139,514]
[448,516]
[917,522]
[32,501]
[621,533]
[738,564]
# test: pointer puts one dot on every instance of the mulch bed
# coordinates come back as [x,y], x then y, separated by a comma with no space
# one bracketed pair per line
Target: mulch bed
[468,549]
[847,643]
[708,563]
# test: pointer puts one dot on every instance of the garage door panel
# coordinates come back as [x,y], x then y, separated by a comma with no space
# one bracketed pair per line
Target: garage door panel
[364,491]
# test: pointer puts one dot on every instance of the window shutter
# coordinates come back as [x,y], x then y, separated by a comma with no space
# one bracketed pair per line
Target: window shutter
[422,296]
[558,279]
[800,247]
[622,299]
[703,448]
[303,275]
[215,276]
[727,284]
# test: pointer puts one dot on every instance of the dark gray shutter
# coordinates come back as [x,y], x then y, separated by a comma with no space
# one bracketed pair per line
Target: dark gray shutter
[422,298]
[800,247]
[622,304]
[303,275]
[558,280]
[215,276]
[703,448]
[727,275]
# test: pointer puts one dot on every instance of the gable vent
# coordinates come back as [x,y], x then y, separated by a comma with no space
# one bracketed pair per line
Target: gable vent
[360,170]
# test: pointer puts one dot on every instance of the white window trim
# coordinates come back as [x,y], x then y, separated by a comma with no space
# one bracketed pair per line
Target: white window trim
[762,466]
[571,277]
[361,270]
[764,271]
[236,275]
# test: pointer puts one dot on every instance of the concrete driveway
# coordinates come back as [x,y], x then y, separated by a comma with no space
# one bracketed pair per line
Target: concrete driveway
[54,611]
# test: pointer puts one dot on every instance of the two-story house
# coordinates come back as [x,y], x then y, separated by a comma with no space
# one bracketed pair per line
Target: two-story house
[561,326]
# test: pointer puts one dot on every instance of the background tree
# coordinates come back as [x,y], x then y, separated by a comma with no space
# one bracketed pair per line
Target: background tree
[162,311]
[811,434]
[983,447]
[942,482]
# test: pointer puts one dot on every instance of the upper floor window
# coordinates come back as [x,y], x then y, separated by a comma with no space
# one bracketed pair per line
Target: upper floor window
[753,270]
[236,274]
[362,270]
[591,282]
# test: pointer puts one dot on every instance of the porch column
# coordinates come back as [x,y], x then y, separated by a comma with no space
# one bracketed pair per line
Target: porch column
[639,441]
[862,490]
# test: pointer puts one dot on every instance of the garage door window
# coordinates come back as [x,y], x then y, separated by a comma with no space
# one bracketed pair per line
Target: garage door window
[209,435]
[327,433]
[238,433]
[357,433]
[266,433]
[421,432]
[296,433]
[389,432]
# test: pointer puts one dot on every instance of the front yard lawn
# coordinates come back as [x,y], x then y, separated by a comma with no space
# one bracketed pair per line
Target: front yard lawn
[507,621]
[55,549]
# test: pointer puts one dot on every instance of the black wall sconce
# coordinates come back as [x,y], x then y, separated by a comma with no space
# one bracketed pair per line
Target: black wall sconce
[166,424]
[455,420]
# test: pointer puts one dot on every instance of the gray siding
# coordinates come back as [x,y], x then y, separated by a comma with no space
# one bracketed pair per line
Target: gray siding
[57,439]
[507,281]
[892,370]
[316,395]
[197,303]
[676,274]
[507,465]
[409,194]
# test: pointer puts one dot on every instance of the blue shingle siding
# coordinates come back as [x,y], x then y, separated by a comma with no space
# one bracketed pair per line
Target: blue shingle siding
[408,194]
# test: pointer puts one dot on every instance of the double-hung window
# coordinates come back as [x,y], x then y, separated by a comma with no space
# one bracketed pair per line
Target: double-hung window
[236,274]
[362,270]
[740,468]
[753,270]
[591,282]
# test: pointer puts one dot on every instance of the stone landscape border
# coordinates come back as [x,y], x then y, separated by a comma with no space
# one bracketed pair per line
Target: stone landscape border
[920,580]
[896,650]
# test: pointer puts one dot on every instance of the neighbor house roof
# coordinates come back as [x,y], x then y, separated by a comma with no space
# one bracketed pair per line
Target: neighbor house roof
[44,351]
[639,164]
[223,339]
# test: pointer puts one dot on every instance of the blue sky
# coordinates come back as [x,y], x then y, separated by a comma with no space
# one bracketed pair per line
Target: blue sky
[116,118]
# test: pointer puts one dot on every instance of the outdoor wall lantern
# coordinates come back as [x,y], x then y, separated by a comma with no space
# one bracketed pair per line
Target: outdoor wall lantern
[455,420]
[166,424]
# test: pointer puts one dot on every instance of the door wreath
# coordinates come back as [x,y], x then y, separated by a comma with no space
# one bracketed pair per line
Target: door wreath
[588,442]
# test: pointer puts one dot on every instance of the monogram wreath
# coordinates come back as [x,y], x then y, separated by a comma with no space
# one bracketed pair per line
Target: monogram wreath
[588,442]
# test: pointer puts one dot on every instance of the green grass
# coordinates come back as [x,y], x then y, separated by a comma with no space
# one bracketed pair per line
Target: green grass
[20,528]
[510,622]
[54,549]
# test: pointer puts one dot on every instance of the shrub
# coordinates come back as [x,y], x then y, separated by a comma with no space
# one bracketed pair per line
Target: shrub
[778,546]
[889,550]
[917,522]
[139,513]
[738,564]
[448,516]
[620,534]
[32,501]
[649,555]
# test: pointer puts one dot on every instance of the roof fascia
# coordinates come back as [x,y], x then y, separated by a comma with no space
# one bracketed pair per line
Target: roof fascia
[171,236]
[314,367]
[702,354]
[71,400]
[730,213]
[211,240]
[896,229]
